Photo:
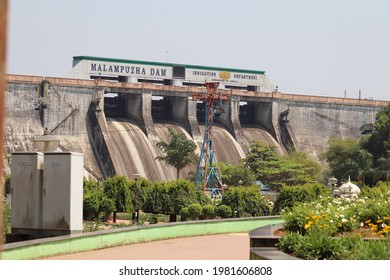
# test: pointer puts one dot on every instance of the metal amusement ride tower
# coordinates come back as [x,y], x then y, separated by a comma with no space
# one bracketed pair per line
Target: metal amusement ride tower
[208,175]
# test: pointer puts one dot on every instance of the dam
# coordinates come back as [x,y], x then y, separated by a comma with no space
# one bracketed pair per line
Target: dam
[116,125]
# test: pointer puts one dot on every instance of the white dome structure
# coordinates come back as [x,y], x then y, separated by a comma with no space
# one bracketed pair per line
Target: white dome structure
[348,189]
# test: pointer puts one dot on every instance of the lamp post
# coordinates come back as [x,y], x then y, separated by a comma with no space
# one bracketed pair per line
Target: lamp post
[332,182]
[136,211]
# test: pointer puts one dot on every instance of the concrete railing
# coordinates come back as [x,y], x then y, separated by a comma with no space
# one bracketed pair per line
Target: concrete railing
[193,89]
[39,248]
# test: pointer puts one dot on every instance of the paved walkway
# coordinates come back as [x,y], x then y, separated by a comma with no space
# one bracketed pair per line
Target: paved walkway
[232,246]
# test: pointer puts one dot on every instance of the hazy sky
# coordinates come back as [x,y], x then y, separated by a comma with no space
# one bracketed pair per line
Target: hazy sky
[305,46]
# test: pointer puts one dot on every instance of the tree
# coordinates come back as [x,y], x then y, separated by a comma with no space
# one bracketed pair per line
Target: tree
[378,144]
[236,174]
[379,141]
[96,204]
[140,192]
[170,198]
[311,167]
[275,171]
[359,166]
[289,196]
[246,200]
[182,194]
[179,153]
[264,162]
[346,157]
[159,201]
[259,152]
[117,189]
[383,167]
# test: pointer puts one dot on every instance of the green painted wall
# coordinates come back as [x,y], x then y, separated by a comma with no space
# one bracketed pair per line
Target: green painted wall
[35,249]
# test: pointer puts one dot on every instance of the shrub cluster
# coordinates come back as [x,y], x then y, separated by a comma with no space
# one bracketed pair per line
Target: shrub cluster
[246,202]
[209,211]
[312,226]
[292,195]
[335,215]
[318,245]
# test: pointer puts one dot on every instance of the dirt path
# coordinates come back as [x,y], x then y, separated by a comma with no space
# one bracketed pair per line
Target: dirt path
[233,246]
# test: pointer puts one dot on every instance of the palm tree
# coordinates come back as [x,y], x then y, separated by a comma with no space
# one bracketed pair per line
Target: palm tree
[359,165]
[383,168]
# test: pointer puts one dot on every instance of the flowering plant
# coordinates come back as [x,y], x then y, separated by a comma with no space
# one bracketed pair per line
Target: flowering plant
[336,215]
[311,226]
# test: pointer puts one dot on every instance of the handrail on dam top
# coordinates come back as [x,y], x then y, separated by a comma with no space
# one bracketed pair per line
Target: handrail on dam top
[195,89]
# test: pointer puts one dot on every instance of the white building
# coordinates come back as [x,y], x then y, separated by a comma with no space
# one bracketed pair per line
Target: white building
[347,190]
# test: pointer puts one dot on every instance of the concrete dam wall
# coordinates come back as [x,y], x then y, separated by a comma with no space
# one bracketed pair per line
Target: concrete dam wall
[117,125]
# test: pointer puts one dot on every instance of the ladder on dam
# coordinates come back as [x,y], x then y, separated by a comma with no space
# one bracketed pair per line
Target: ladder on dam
[208,176]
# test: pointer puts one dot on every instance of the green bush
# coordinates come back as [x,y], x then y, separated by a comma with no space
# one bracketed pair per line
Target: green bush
[292,195]
[140,191]
[246,215]
[223,211]
[96,205]
[117,188]
[91,202]
[6,221]
[369,250]
[106,207]
[182,194]
[170,197]
[153,219]
[7,184]
[290,243]
[296,219]
[237,174]
[202,198]
[246,200]
[194,211]
[184,214]
[318,245]
[159,200]
[208,212]
[381,189]
[375,213]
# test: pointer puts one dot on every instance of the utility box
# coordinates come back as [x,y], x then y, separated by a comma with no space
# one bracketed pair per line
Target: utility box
[62,193]
[26,193]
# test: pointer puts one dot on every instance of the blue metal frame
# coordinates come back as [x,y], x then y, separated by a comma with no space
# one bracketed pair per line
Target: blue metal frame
[208,177]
